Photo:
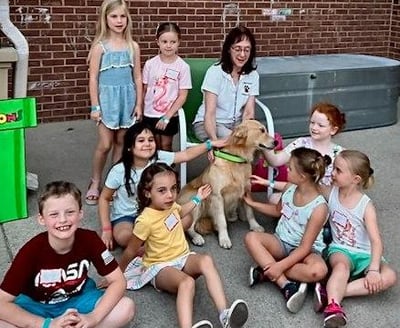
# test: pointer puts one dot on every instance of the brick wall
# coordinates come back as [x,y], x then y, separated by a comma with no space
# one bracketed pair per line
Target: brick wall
[59,33]
[394,44]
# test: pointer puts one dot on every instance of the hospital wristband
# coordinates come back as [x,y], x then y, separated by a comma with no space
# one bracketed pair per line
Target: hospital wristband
[164,119]
[95,108]
[46,323]
[208,144]
[196,200]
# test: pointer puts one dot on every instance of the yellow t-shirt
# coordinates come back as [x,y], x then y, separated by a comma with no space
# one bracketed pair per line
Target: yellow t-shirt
[163,234]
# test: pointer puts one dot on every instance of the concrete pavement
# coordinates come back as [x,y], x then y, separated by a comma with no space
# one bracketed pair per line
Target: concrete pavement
[63,151]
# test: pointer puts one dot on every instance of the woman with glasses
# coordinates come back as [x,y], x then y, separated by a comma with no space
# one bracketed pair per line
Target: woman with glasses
[229,87]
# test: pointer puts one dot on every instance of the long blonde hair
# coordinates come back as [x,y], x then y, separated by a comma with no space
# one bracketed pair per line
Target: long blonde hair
[102,29]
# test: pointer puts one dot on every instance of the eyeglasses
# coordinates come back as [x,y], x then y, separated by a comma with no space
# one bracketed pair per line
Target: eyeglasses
[240,50]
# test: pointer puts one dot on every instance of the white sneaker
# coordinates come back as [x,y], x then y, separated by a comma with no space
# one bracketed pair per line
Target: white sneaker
[203,324]
[295,294]
[236,316]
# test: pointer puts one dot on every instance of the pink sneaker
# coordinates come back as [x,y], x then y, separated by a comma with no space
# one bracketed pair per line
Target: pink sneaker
[320,297]
[334,316]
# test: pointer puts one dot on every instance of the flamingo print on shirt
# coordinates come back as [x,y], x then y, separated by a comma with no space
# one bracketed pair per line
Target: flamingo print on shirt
[160,104]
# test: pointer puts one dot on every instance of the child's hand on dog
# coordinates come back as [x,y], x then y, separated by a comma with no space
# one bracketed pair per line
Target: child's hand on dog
[218,143]
[255,179]
[204,191]
[248,199]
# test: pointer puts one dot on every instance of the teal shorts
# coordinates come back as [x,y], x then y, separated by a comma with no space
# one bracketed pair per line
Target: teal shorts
[84,302]
[359,262]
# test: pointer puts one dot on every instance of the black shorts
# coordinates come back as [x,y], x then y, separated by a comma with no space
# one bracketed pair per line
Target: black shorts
[170,130]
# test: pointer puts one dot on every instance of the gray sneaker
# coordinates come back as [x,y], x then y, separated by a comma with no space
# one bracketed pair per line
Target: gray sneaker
[236,316]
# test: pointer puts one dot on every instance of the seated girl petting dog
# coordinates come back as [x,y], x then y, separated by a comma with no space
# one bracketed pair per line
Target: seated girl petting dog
[326,121]
[291,257]
[168,264]
[355,255]
[139,150]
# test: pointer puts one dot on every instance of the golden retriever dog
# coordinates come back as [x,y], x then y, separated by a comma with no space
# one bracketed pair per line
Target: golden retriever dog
[229,176]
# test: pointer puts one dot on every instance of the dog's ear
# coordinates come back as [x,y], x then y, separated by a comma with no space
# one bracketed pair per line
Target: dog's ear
[240,134]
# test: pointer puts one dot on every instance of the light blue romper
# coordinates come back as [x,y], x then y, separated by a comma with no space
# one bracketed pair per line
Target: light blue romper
[117,92]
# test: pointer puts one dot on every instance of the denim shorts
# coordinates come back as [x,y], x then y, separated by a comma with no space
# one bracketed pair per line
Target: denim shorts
[126,218]
[288,248]
[84,302]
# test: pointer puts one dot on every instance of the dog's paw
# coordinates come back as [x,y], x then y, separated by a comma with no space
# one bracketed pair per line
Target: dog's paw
[198,240]
[224,241]
[257,228]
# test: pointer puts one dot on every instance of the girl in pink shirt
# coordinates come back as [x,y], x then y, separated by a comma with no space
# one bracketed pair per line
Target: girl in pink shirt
[166,79]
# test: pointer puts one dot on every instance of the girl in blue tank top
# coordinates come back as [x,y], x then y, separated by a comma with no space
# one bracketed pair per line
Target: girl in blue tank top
[291,257]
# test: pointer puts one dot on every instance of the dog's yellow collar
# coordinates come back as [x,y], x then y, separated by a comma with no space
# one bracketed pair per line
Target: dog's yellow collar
[229,157]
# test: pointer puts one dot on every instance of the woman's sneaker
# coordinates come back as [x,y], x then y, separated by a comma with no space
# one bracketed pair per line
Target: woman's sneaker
[203,324]
[320,297]
[334,316]
[295,294]
[256,275]
[236,316]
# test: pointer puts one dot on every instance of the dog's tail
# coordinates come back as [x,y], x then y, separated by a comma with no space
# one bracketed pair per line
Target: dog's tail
[204,226]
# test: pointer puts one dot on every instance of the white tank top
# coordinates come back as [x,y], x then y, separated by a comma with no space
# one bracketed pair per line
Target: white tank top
[347,225]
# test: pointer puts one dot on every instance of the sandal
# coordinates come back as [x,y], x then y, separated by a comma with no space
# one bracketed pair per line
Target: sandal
[92,195]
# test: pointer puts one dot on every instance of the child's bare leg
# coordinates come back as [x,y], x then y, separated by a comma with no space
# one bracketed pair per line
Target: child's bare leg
[312,269]
[337,282]
[166,142]
[118,145]
[183,285]
[265,249]
[122,233]
[104,145]
[120,315]
[202,264]
[357,287]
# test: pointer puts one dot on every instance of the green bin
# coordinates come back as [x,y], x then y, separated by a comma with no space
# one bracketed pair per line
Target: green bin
[15,116]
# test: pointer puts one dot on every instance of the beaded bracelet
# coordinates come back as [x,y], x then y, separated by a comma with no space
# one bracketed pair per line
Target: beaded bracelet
[272,184]
[95,108]
[46,323]
[196,200]
[374,271]
[108,228]
[208,144]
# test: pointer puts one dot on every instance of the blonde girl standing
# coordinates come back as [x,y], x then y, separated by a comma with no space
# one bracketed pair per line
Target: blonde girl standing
[355,254]
[166,79]
[168,264]
[115,86]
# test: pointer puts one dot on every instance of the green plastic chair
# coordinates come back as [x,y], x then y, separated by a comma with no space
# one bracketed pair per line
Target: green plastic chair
[15,116]
[187,138]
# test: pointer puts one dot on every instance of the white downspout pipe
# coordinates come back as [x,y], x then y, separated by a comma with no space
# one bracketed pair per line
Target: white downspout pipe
[21,67]
[21,46]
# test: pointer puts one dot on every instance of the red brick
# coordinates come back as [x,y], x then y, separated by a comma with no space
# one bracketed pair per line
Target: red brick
[58,50]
